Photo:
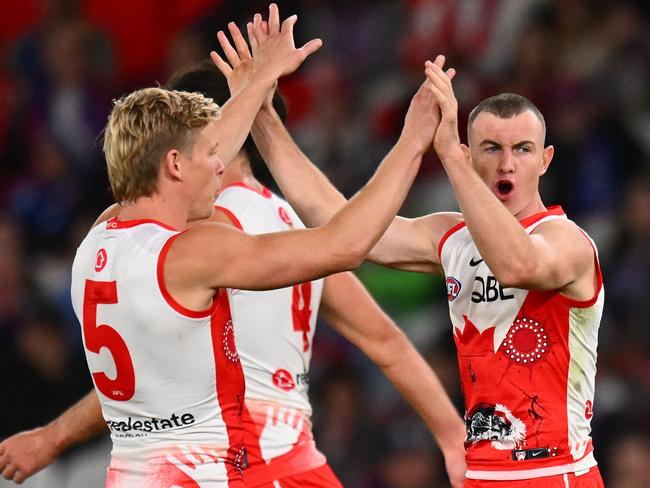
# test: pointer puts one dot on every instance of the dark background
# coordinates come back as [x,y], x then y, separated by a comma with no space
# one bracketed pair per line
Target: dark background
[586,64]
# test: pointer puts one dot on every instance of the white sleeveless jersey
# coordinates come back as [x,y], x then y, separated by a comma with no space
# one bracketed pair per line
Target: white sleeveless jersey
[527,361]
[169,380]
[274,331]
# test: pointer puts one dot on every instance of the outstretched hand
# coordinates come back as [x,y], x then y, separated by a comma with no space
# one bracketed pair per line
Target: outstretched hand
[273,50]
[446,140]
[423,117]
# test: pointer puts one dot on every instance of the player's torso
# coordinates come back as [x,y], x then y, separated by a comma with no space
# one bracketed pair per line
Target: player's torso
[527,363]
[169,380]
[274,332]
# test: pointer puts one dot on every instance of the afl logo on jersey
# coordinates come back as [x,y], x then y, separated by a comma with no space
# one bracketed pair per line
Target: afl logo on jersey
[284,216]
[453,288]
[100,260]
[283,380]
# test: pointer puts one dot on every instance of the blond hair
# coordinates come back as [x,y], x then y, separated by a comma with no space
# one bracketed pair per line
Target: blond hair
[142,127]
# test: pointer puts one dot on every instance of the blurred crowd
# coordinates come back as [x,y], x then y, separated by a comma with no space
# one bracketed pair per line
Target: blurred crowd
[585,63]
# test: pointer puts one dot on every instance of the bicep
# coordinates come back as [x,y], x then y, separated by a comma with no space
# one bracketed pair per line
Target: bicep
[412,244]
[268,261]
[563,255]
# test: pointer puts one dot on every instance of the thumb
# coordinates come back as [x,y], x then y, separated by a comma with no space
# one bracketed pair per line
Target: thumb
[311,47]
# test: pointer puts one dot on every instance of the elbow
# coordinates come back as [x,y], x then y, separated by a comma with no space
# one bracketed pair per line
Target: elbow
[515,275]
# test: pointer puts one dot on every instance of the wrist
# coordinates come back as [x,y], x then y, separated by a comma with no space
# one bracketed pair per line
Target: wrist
[411,146]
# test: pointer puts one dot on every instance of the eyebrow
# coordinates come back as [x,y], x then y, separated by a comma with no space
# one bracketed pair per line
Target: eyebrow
[214,148]
[494,143]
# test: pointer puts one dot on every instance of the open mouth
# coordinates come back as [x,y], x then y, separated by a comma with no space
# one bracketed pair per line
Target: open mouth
[504,188]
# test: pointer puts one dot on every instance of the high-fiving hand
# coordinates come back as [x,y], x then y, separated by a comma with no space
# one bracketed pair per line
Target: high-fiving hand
[273,52]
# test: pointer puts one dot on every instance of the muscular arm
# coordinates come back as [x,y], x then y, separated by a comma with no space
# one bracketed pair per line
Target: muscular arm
[556,256]
[26,453]
[408,244]
[350,309]
[230,258]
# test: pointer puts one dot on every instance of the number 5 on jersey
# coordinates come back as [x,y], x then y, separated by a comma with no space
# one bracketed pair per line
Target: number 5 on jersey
[97,336]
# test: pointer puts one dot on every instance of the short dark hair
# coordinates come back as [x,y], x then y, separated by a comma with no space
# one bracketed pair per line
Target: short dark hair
[504,106]
[205,78]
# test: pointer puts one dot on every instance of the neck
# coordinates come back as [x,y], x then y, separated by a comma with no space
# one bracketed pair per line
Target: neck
[239,171]
[534,207]
[156,207]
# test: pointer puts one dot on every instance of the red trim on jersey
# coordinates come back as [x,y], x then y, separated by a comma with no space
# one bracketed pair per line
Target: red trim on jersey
[447,235]
[235,221]
[229,382]
[113,223]
[530,220]
[160,271]
[527,222]
[265,192]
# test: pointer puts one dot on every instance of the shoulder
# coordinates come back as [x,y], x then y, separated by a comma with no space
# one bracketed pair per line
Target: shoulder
[564,237]
[439,225]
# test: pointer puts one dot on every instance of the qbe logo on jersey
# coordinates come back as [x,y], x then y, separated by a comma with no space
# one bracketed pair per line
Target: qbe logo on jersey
[453,288]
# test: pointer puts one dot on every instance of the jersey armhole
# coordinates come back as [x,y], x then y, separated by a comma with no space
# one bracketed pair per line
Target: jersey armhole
[160,272]
[235,221]
[446,236]
[599,281]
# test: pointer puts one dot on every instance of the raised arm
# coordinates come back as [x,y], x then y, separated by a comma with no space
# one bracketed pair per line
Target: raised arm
[280,259]
[26,453]
[275,56]
[408,244]
[555,256]
[349,308]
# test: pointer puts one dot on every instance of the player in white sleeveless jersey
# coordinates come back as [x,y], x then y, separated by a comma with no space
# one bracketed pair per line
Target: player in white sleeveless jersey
[274,332]
[523,282]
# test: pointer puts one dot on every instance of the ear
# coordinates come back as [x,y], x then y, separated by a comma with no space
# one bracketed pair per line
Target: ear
[547,156]
[172,165]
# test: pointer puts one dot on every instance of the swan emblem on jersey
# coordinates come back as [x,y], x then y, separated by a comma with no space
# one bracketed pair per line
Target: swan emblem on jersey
[526,341]
[497,424]
[101,259]
[229,347]
[283,380]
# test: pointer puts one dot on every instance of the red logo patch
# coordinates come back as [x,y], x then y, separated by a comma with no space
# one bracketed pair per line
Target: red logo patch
[284,216]
[100,261]
[589,410]
[453,288]
[283,380]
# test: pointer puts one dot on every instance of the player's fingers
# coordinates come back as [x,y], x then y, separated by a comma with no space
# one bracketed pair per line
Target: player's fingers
[228,50]
[274,19]
[451,73]
[288,23]
[440,60]
[220,64]
[258,31]
[8,472]
[240,42]
[311,47]
[265,27]
[251,37]
[440,97]
[19,477]
[439,74]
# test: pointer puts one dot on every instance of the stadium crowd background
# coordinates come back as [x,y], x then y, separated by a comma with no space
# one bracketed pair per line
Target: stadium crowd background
[585,63]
